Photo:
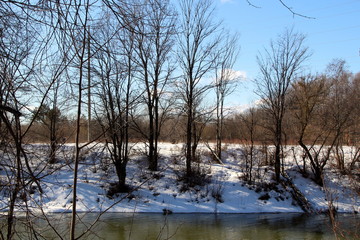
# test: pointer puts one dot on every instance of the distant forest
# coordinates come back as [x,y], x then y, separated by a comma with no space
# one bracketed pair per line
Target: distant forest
[332,101]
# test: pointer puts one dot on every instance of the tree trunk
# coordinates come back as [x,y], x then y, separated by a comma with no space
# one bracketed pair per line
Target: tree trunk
[251,157]
[189,138]
[156,130]
[340,157]
[194,140]
[218,127]
[277,162]
[76,161]
[53,144]
[278,151]
[77,139]
[315,166]
[151,139]
[53,123]
[15,192]
[318,176]
[153,133]
[121,173]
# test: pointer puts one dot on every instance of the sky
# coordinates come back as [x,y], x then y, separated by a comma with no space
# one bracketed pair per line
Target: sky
[332,29]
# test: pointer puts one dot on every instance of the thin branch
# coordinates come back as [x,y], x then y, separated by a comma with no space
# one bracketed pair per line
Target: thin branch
[251,4]
[293,12]
[286,6]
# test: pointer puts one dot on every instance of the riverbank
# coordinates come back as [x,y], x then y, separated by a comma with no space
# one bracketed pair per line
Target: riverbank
[222,187]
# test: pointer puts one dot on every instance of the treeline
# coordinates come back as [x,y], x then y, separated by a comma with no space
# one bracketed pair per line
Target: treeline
[315,102]
[332,96]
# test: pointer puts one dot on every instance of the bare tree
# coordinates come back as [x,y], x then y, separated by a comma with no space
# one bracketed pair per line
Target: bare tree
[307,103]
[53,100]
[323,115]
[225,83]
[354,129]
[279,67]
[197,41]
[250,120]
[155,31]
[115,69]
[342,106]
[74,18]
[17,41]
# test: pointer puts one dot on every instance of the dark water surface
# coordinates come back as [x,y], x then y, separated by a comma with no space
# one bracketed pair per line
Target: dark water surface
[207,226]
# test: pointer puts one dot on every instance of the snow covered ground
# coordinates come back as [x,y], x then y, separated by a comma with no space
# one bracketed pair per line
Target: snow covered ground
[225,190]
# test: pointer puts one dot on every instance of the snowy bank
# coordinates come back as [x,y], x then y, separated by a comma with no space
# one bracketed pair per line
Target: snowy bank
[225,190]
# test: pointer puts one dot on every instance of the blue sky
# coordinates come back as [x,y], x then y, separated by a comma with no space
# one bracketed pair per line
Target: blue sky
[333,31]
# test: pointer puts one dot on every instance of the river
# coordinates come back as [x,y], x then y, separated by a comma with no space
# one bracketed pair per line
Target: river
[202,226]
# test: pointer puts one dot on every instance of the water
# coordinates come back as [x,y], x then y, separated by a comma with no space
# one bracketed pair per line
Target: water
[203,226]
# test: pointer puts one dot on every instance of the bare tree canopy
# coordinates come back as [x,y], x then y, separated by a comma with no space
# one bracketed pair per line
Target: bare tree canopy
[197,44]
[279,66]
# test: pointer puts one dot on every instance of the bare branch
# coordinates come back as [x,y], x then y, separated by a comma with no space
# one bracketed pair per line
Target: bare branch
[293,12]
[284,5]
[251,4]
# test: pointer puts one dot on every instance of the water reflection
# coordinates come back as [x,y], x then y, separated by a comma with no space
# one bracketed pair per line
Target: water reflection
[122,226]
[223,226]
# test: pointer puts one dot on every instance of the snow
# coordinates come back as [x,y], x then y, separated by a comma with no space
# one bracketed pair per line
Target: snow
[224,192]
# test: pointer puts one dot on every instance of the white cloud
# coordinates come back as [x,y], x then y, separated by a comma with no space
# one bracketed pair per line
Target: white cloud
[258,102]
[233,74]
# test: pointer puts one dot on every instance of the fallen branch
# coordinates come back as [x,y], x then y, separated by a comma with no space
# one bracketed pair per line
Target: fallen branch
[216,157]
